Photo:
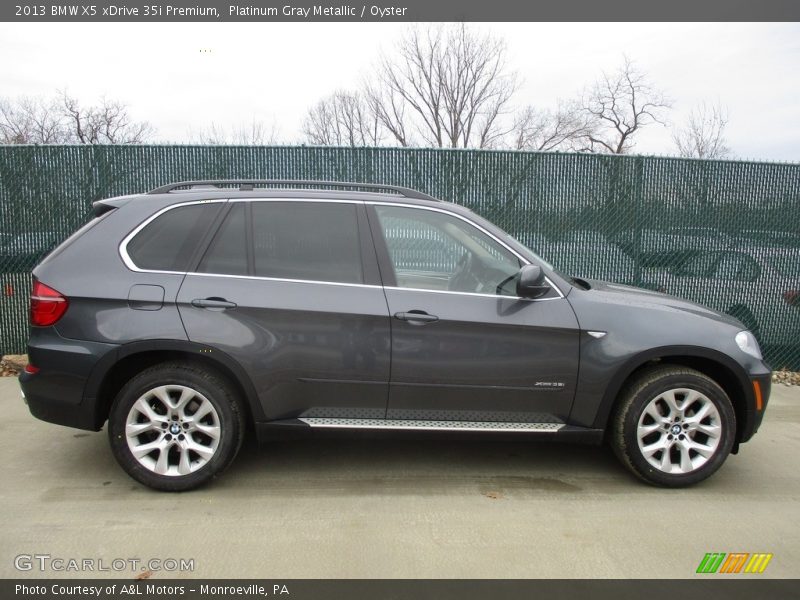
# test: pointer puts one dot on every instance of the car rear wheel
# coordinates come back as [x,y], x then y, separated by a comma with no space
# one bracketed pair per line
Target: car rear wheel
[674,426]
[175,426]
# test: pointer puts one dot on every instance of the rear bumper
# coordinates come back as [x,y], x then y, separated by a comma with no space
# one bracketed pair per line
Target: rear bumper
[56,392]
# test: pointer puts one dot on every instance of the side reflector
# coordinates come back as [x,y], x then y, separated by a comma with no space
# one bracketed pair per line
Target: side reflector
[29,368]
[759,398]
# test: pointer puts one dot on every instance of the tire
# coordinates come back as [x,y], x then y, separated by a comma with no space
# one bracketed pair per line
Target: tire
[175,426]
[655,451]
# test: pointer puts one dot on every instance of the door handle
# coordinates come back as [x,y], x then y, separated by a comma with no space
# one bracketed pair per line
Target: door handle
[416,317]
[213,303]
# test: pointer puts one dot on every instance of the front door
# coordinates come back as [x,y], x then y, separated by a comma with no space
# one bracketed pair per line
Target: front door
[464,347]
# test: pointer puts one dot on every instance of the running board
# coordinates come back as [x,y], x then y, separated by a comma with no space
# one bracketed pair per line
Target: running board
[419,425]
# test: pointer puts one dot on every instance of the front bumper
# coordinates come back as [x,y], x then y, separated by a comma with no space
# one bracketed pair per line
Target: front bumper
[758,398]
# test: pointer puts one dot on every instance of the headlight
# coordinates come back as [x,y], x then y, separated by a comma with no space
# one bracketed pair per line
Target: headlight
[747,343]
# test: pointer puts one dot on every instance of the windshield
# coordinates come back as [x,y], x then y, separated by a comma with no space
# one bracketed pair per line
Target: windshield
[514,242]
[528,253]
[519,246]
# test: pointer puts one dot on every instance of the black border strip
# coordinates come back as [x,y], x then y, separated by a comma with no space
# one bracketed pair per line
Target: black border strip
[150,11]
[709,587]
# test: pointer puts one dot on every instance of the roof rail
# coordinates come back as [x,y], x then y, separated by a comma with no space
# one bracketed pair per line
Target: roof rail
[247,185]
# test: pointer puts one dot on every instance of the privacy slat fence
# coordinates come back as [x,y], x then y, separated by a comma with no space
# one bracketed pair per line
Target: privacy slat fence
[723,233]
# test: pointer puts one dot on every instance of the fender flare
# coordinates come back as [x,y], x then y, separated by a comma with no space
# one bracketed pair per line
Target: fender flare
[204,354]
[642,358]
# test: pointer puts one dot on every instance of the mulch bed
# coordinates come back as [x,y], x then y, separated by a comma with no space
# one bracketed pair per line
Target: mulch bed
[12,364]
[786,377]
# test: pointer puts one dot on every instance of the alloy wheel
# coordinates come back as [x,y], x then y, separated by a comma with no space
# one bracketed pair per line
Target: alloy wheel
[679,431]
[173,430]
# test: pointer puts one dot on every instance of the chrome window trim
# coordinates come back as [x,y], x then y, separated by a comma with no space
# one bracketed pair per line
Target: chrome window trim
[284,280]
[495,296]
[126,259]
[123,245]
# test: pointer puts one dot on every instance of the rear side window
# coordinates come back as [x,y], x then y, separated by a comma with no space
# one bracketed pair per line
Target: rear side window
[169,241]
[307,240]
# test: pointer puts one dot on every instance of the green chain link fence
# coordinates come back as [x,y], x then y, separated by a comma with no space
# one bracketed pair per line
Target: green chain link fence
[723,233]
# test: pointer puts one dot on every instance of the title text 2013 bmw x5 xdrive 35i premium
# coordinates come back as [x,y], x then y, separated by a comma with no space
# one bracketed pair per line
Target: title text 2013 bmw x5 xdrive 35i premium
[184,315]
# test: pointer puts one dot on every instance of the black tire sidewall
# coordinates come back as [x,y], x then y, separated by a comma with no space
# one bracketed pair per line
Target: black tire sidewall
[662,384]
[209,385]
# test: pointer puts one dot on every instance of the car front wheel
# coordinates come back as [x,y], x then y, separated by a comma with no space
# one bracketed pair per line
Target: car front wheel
[674,426]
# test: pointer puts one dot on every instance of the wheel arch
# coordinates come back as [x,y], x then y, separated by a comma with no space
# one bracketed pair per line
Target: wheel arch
[117,368]
[722,369]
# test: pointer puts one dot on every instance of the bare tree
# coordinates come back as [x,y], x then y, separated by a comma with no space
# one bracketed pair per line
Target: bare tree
[255,133]
[546,130]
[106,123]
[619,106]
[343,119]
[389,108]
[449,86]
[64,121]
[30,121]
[703,133]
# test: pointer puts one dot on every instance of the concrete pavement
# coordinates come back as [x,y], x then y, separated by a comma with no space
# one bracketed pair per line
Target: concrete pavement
[398,508]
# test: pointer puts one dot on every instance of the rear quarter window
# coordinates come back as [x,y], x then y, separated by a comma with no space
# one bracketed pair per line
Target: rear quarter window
[169,241]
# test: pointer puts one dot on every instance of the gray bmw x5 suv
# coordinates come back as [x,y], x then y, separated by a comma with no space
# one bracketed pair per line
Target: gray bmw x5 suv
[190,314]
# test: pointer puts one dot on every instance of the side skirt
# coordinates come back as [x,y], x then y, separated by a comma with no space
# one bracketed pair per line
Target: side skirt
[380,427]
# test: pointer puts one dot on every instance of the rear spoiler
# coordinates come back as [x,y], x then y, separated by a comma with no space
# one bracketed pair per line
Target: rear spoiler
[101,207]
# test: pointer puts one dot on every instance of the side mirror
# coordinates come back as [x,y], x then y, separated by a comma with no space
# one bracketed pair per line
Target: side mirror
[531,282]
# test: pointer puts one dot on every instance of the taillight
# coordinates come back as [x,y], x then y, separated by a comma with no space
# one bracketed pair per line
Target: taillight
[792,297]
[47,305]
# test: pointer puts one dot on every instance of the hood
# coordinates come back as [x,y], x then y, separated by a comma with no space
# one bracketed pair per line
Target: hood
[620,294]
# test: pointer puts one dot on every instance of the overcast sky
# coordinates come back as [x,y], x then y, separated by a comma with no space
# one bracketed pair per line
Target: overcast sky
[274,72]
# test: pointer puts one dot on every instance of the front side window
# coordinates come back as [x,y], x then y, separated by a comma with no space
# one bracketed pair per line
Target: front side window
[170,240]
[315,241]
[430,250]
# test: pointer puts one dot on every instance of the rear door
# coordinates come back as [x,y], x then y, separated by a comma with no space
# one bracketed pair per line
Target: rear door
[290,289]
[464,347]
